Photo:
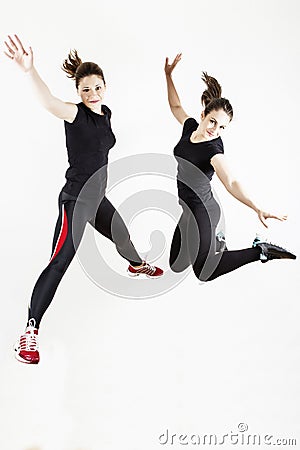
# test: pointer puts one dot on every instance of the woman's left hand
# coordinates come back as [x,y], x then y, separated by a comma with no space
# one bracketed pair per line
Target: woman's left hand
[263,215]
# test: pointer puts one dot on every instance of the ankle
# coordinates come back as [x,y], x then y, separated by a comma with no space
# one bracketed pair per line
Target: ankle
[138,266]
[32,325]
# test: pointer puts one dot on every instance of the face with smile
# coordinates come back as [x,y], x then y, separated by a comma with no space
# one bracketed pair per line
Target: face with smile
[91,90]
[213,124]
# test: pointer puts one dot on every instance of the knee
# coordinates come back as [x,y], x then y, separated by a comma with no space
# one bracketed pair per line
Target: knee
[200,275]
[177,268]
[198,269]
[179,264]
[121,240]
[120,235]
[171,261]
[59,265]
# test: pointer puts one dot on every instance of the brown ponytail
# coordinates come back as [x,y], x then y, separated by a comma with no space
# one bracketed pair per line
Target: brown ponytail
[76,69]
[213,90]
[212,99]
[71,64]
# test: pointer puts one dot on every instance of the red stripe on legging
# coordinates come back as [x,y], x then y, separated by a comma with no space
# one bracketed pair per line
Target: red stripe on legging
[62,235]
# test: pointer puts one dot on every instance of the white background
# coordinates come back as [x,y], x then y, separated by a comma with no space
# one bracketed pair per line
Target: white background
[116,373]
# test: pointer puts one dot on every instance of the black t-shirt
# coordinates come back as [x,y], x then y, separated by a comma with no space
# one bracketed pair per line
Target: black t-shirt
[194,168]
[88,138]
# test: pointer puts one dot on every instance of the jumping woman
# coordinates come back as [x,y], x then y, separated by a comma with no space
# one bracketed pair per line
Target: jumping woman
[89,138]
[199,153]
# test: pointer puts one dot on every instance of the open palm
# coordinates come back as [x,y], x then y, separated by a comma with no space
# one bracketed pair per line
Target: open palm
[17,53]
[170,67]
[263,215]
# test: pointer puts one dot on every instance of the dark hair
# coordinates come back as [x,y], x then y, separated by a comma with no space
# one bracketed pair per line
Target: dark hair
[76,69]
[212,99]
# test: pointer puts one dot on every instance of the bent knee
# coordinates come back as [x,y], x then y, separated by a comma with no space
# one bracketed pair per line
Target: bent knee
[179,265]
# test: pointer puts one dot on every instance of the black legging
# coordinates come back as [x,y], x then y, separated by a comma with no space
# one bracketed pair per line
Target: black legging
[68,232]
[194,242]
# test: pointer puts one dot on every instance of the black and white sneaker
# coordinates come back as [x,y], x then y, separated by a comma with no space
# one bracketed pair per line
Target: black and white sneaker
[271,251]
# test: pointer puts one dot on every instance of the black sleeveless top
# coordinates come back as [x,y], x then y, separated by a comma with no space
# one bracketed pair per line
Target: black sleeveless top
[88,138]
[194,168]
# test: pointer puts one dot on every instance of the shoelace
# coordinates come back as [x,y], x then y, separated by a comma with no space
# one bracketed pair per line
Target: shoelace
[277,245]
[151,268]
[28,342]
[266,241]
[146,269]
[220,236]
[32,322]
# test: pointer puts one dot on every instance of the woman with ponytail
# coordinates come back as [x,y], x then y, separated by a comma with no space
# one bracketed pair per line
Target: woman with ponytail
[89,138]
[200,153]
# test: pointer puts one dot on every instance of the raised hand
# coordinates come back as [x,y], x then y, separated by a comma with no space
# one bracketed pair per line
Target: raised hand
[18,54]
[262,215]
[170,67]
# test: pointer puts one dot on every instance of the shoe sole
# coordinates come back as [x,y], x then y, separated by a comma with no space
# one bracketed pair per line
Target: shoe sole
[18,358]
[132,275]
[279,255]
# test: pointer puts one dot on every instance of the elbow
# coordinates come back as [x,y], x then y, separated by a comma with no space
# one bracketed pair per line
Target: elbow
[50,103]
[52,106]
[175,108]
[231,185]
[47,104]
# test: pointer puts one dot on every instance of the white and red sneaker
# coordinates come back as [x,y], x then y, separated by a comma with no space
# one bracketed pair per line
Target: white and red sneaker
[145,269]
[27,347]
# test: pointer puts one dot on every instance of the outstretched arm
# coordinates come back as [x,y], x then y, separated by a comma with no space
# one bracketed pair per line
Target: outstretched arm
[24,60]
[235,188]
[173,97]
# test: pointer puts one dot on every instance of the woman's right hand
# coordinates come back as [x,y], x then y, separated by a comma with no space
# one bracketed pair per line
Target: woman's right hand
[263,215]
[17,53]
[170,67]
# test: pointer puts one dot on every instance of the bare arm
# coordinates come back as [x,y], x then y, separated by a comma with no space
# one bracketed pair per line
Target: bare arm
[62,110]
[173,97]
[24,60]
[235,188]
